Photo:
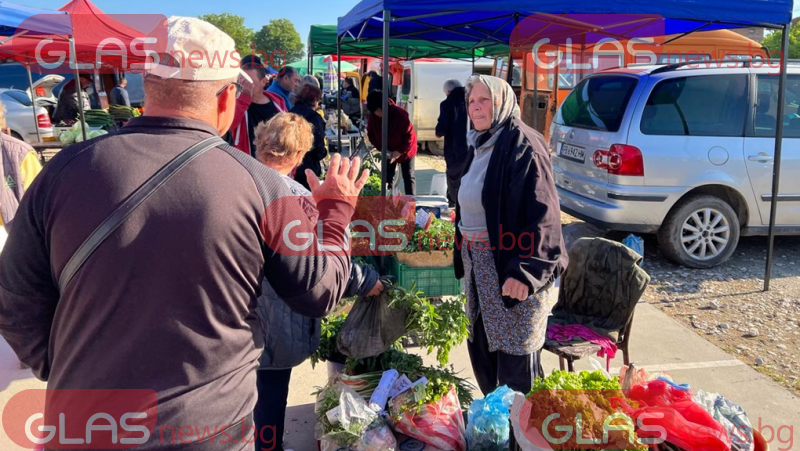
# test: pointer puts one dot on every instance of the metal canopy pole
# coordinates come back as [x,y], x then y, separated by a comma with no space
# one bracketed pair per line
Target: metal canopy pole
[776,166]
[339,91]
[387,18]
[78,87]
[473,61]
[33,103]
[310,58]
[535,93]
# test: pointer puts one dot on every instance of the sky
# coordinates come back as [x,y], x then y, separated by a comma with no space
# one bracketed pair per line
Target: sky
[303,13]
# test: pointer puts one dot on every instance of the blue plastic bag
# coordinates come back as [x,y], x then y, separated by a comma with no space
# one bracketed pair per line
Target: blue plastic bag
[487,423]
[636,243]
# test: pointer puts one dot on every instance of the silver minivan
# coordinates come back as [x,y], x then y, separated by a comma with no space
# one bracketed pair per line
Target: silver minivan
[684,153]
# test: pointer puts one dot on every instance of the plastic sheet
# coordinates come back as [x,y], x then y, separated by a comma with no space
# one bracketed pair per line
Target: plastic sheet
[440,424]
[732,417]
[371,327]
[353,417]
[687,425]
[487,425]
[636,243]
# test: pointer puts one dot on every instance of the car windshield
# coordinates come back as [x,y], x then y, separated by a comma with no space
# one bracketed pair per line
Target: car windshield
[598,103]
[16,96]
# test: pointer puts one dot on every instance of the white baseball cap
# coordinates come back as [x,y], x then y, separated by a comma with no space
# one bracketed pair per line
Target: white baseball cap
[197,51]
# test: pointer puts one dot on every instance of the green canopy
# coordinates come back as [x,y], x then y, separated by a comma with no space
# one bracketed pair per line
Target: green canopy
[322,41]
[320,65]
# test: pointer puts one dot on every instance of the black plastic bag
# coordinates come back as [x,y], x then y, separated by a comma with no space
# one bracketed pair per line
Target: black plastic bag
[372,326]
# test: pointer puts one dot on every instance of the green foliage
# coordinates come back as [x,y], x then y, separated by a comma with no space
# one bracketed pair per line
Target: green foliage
[373,186]
[440,328]
[440,236]
[773,41]
[276,38]
[393,359]
[234,26]
[563,380]
[329,331]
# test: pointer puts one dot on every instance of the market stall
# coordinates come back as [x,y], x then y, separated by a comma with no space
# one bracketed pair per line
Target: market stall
[486,22]
[93,27]
[18,20]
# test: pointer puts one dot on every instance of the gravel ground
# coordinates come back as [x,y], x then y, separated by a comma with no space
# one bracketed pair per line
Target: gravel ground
[726,305]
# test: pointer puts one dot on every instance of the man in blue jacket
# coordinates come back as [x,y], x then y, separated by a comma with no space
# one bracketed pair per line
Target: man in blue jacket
[285,83]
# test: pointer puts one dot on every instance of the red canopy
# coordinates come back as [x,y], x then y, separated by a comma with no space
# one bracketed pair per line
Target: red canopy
[91,27]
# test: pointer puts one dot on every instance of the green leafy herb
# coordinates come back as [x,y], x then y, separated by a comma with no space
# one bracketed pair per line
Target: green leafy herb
[440,236]
[440,328]
[329,331]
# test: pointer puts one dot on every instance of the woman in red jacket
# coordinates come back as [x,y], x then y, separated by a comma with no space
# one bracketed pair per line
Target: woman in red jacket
[401,143]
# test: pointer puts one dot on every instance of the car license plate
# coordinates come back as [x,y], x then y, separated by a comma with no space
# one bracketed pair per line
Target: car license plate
[573,153]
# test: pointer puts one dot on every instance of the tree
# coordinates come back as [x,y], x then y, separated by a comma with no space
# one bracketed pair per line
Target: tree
[233,25]
[773,41]
[276,39]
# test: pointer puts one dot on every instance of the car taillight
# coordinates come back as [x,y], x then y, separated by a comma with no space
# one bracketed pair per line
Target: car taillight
[620,159]
[44,121]
[625,160]
[40,92]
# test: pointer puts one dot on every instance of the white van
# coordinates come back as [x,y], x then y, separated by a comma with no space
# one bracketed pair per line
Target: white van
[422,92]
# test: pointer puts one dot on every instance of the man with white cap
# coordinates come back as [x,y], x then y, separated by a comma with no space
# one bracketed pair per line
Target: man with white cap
[136,259]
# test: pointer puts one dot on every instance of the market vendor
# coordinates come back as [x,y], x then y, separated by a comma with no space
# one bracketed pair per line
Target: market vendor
[401,142]
[290,338]
[507,191]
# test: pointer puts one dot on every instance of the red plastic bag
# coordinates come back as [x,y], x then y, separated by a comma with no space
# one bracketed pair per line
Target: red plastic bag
[440,424]
[657,393]
[687,425]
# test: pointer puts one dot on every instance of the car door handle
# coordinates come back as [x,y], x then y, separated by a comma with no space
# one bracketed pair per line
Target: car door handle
[762,157]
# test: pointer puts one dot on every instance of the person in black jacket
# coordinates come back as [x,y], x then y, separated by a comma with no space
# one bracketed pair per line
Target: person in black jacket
[452,126]
[289,337]
[306,106]
[509,220]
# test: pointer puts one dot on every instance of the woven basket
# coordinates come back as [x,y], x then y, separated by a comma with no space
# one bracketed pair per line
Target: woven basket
[434,259]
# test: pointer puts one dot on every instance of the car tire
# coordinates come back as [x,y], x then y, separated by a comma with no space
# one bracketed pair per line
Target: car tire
[16,135]
[701,231]
[436,148]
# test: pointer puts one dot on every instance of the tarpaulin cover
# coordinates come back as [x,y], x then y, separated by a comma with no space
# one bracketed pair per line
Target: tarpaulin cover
[320,65]
[91,26]
[34,21]
[494,21]
[322,41]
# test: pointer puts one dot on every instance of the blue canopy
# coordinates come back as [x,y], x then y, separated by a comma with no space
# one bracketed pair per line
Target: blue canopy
[494,20]
[15,19]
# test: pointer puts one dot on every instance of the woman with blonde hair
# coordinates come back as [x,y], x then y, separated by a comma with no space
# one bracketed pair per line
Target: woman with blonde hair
[290,338]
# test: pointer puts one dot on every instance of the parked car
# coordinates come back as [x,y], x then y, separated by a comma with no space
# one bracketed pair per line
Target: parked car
[685,153]
[15,76]
[19,116]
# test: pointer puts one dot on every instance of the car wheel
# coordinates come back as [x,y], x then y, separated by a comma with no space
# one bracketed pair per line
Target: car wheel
[700,232]
[436,148]
[16,135]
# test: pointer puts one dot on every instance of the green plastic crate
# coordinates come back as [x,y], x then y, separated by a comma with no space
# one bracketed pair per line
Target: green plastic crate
[431,281]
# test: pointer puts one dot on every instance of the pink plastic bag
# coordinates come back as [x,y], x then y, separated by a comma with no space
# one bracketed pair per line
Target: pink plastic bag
[440,424]
[686,423]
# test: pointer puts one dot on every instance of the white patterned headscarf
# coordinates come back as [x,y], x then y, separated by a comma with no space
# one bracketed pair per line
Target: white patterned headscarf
[504,101]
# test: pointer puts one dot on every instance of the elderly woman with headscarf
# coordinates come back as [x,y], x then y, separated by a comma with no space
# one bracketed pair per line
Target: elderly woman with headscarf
[509,222]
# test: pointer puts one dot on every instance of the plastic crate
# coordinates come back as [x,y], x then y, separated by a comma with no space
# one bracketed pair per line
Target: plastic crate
[431,281]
